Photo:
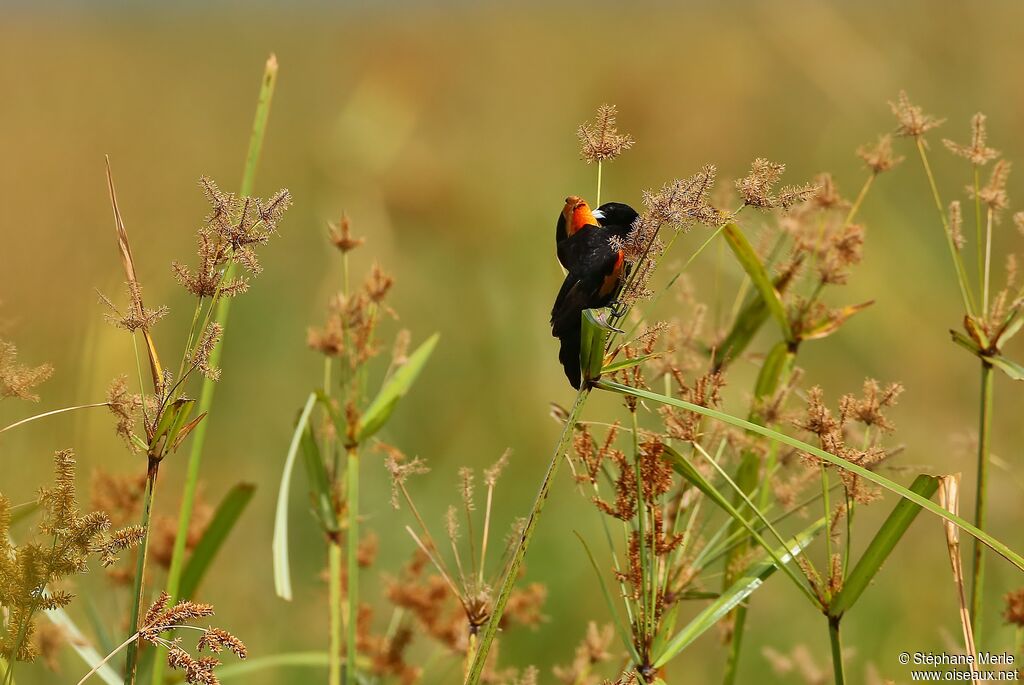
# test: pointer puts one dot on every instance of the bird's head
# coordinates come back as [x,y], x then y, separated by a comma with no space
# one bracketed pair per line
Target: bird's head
[615,214]
[577,214]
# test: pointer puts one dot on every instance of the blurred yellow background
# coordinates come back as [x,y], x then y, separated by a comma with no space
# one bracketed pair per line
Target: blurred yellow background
[447,134]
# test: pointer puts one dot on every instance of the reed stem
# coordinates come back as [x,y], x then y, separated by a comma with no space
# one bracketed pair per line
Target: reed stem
[334,611]
[352,550]
[508,583]
[837,651]
[138,588]
[981,497]
[195,456]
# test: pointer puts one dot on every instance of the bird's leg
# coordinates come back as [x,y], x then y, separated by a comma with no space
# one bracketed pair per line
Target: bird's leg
[618,308]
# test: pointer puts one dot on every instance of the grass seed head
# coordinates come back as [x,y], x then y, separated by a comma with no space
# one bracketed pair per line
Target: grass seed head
[600,140]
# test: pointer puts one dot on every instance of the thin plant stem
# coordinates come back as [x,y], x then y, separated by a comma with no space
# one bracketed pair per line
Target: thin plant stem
[855,207]
[599,169]
[965,289]
[483,541]
[977,220]
[981,496]
[828,513]
[334,612]
[140,570]
[195,456]
[988,264]
[352,550]
[108,657]
[837,651]
[641,512]
[53,413]
[512,573]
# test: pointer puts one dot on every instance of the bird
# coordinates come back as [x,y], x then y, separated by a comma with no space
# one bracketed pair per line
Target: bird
[595,270]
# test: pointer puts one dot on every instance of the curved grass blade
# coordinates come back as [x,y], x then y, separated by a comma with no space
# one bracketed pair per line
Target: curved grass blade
[750,262]
[282,572]
[392,390]
[80,643]
[628,363]
[319,483]
[903,514]
[995,545]
[593,337]
[224,519]
[747,583]
[619,628]
[1011,368]
[685,469]
[254,665]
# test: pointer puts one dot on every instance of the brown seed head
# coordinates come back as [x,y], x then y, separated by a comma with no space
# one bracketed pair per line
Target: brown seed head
[341,235]
[879,157]
[978,153]
[17,380]
[912,121]
[600,140]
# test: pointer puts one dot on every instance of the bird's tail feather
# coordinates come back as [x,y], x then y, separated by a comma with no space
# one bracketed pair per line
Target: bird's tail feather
[569,355]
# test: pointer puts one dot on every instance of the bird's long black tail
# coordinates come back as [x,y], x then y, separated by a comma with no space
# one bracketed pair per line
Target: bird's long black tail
[569,354]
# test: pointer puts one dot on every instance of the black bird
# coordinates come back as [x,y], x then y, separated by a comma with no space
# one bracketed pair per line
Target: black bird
[595,270]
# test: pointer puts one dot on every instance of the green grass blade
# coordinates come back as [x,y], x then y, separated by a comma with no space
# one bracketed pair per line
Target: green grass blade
[392,390]
[747,583]
[282,572]
[619,628]
[255,665]
[252,157]
[224,519]
[684,468]
[80,643]
[750,262]
[1011,368]
[593,337]
[995,545]
[881,546]
[319,483]
[628,363]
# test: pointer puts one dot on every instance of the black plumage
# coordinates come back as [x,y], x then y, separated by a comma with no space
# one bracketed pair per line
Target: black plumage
[595,272]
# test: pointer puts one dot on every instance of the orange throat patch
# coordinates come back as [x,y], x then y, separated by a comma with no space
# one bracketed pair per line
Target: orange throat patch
[577,214]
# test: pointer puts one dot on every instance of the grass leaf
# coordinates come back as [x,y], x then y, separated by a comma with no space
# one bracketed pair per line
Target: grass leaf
[684,468]
[995,545]
[393,388]
[319,483]
[224,519]
[593,337]
[749,581]
[80,643]
[1007,366]
[750,262]
[878,550]
[257,664]
[282,572]
[628,363]
[619,628]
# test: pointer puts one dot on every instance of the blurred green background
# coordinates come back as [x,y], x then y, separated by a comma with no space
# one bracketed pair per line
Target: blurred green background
[446,131]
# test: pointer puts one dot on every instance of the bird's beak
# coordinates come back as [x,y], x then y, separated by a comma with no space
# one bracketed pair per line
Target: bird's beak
[598,214]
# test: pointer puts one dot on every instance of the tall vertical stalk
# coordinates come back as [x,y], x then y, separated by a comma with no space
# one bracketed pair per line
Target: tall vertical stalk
[837,650]
[334,593]
[981,497]
[352,565]
[188,497]
[140,571]
[508,583]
